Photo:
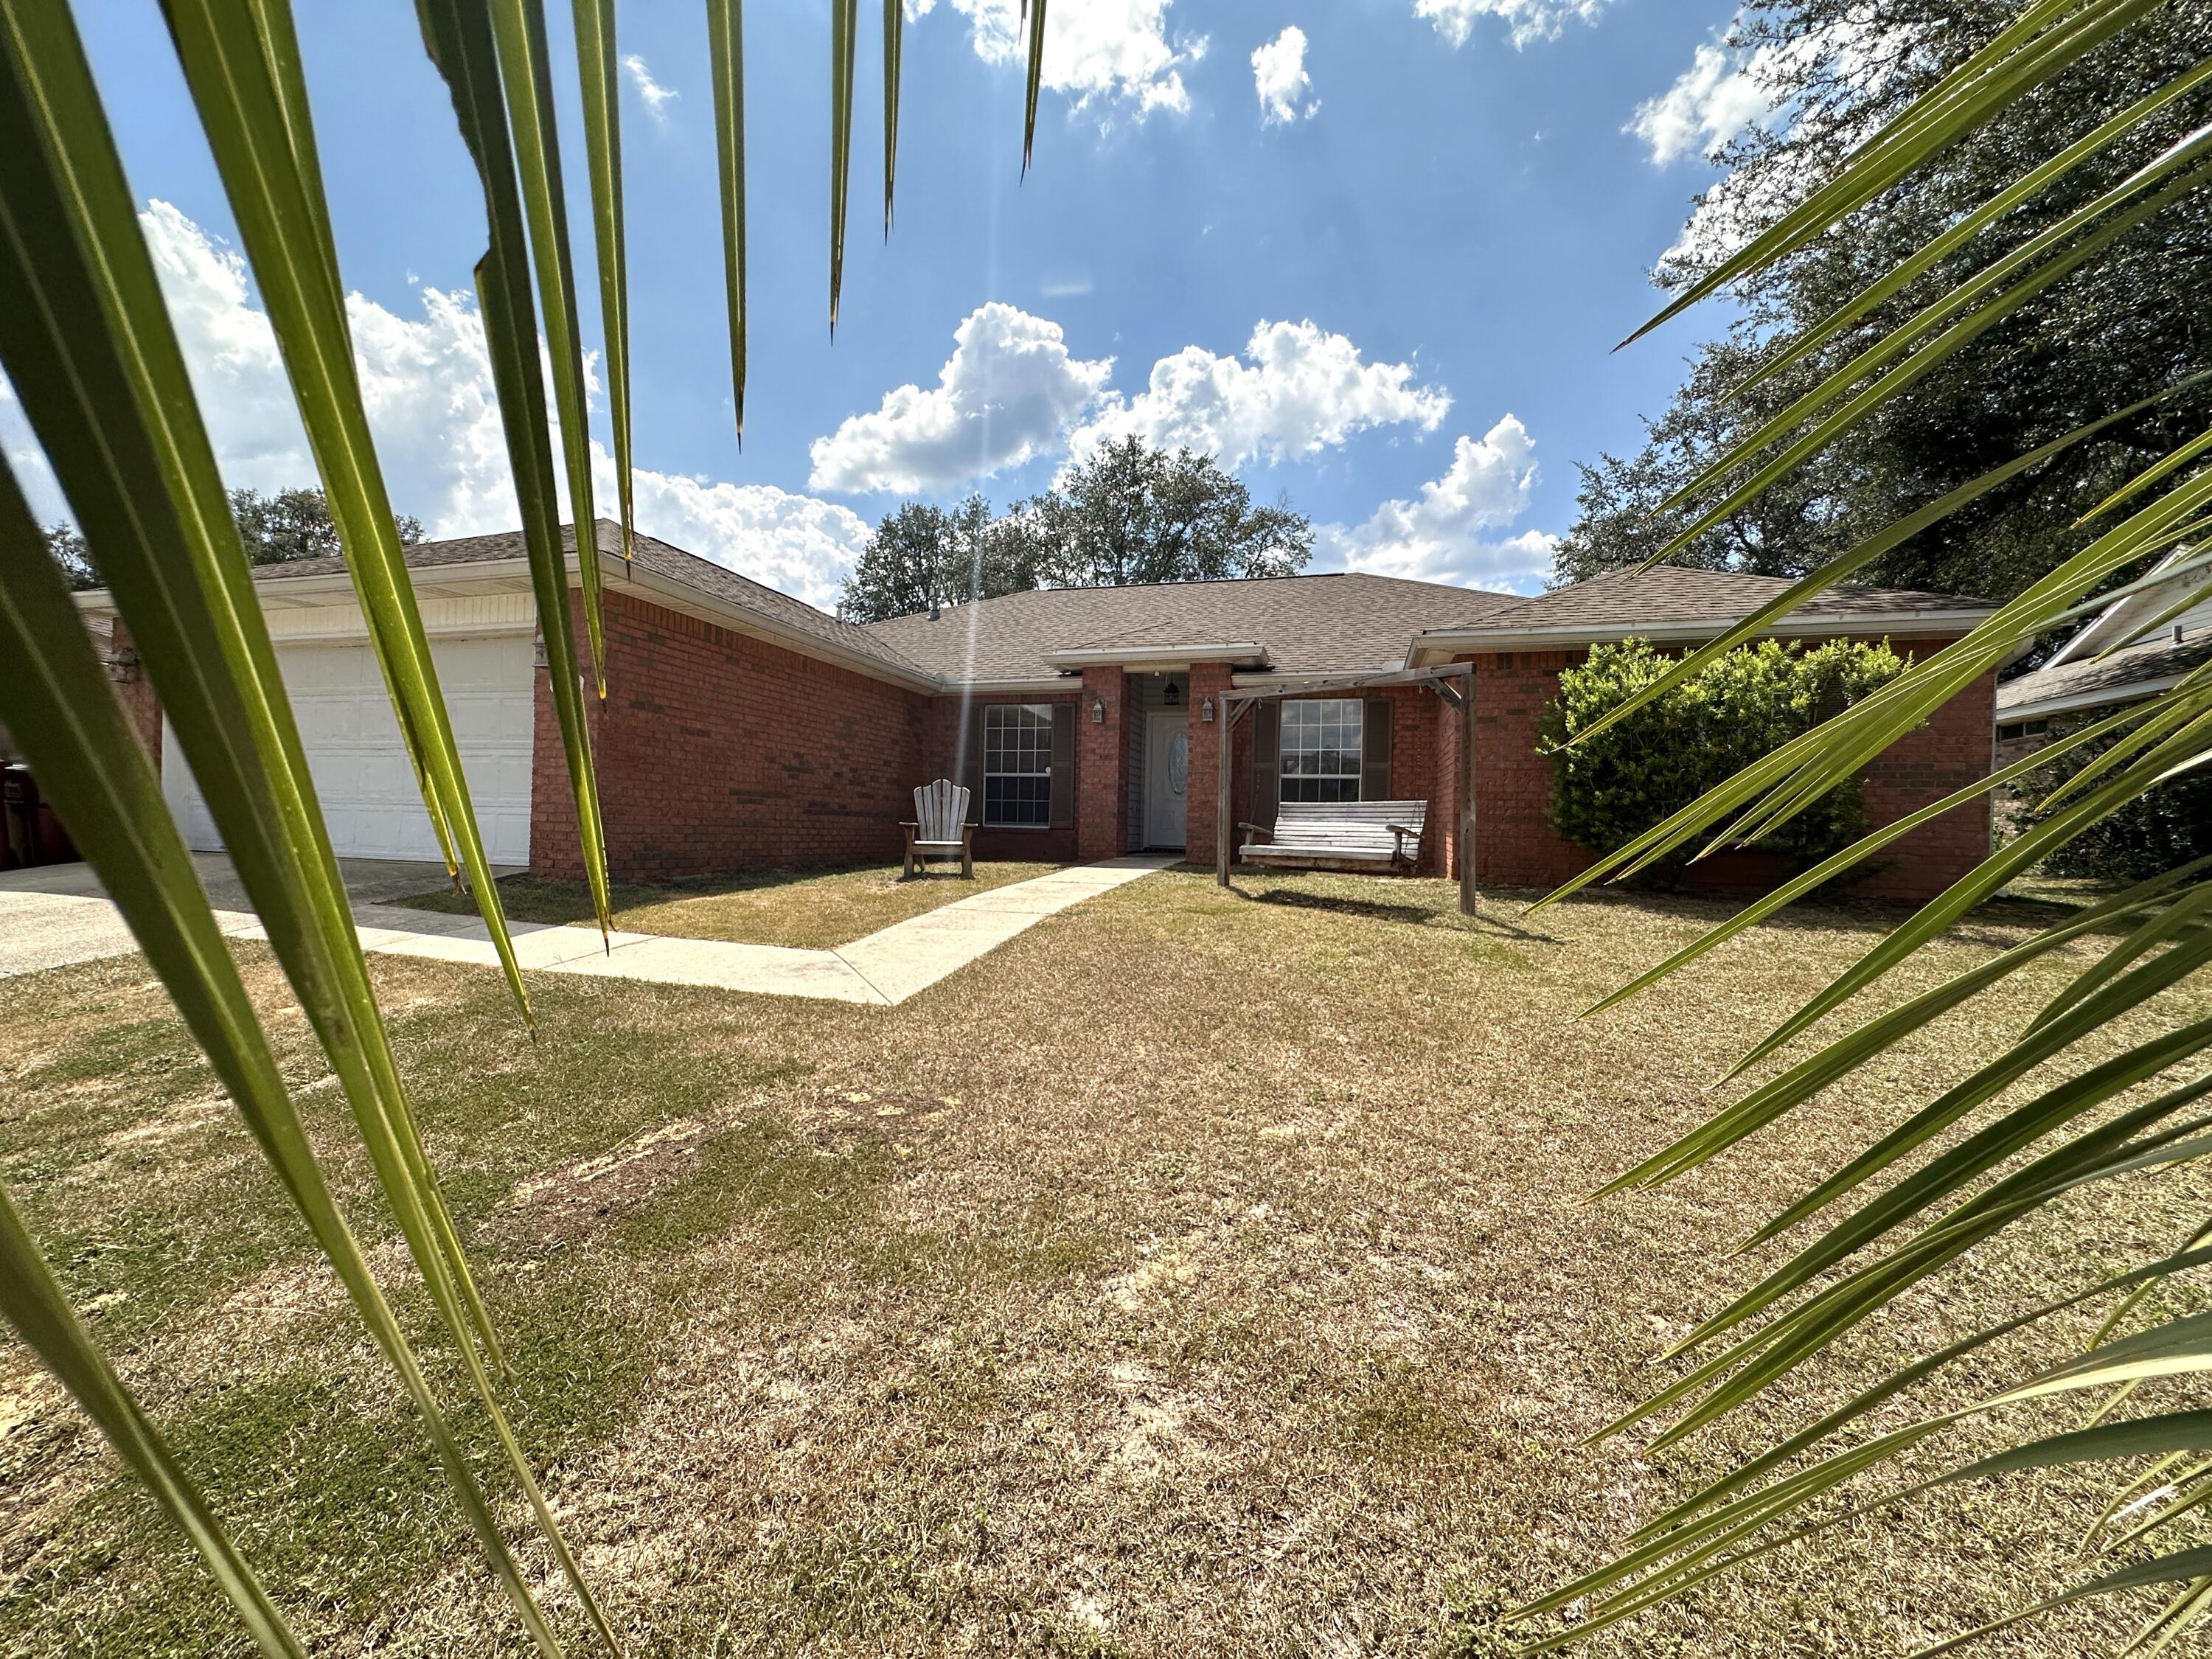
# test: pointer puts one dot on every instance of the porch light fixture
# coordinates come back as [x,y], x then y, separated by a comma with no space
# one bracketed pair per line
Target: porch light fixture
[1098,711]
[1174,697]
[1206,710]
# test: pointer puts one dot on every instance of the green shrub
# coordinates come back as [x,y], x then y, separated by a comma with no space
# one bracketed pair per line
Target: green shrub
[2167,826]
[1609,790]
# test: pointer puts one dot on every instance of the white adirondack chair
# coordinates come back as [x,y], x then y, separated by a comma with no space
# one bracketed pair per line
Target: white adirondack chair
[940,827]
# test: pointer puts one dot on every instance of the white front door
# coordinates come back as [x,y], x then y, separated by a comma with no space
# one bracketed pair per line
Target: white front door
[1167,778]
[360,766]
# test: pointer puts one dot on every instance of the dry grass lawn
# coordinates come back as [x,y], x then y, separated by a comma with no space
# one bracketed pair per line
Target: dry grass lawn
[1200,1274]
[805,909]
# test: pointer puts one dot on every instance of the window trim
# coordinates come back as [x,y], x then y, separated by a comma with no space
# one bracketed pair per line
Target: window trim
[1356,751]
[1043,736]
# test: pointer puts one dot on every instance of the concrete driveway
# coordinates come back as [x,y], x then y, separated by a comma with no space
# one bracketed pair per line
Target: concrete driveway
[58,914]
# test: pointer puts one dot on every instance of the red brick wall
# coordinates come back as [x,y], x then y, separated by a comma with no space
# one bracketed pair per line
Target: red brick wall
[943,754]
[1517,847]
[1208,680]
[1953,750]
[1102,765]
[142,705]
[716,751]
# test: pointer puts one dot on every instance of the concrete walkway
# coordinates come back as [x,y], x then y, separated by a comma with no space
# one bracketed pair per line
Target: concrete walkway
[50,918]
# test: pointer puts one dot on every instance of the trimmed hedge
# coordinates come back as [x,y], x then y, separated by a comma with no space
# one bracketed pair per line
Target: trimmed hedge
[1748,702]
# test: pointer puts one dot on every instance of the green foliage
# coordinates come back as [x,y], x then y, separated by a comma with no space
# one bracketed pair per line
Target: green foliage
[2014,247]
[2166,826]
[1129,513]
[277,528]
[65,545]
[289,525]
[1665,754]
[2122,327]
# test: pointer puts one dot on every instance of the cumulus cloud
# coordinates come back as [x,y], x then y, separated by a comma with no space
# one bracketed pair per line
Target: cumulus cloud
[656,97]
[1279,74]
[426,382]
[1009,390]
[1716,97]
[1450,533]
[1117,53]
[1735,85]
[1297,390]
[1525,21]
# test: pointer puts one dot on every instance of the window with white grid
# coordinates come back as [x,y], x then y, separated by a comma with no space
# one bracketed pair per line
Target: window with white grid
[1320,749]
[1018,765]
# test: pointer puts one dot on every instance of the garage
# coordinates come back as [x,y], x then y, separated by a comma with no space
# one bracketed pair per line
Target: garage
[360,767]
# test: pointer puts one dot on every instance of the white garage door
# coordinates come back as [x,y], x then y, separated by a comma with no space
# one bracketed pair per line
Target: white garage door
[361,771]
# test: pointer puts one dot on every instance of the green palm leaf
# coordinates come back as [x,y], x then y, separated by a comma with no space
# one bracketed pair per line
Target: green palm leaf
[844,31]
[460,39]
[595,78]
[526,73]
[241,64]
[725,51]
[91,766]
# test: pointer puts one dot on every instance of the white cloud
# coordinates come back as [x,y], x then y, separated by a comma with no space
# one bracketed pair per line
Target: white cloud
[1298,391]
[427,383]
[1279,75]
[1116,51]
[1449,534]
[1525,21]
[657,98]
[1734,85]
[1716,97]
[799,543]
[1009,391]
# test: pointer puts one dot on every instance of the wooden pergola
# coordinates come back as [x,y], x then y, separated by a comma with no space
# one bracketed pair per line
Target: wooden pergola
[1454,682]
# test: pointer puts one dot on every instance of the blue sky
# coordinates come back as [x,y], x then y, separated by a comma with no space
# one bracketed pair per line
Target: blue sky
[1379,268]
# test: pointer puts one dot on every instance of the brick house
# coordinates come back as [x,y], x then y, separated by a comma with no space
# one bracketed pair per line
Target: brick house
[744,728]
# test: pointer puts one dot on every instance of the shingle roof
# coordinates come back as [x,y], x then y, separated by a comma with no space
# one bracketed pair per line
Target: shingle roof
[1673,595]
[1346,621]
[658,556]
[2095,682]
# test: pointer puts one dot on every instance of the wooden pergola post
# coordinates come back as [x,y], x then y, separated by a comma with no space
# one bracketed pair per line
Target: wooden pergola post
[1223,829]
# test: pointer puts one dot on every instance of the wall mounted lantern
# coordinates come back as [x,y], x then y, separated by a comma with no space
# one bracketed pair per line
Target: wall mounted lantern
[1206,710]
[1098,711]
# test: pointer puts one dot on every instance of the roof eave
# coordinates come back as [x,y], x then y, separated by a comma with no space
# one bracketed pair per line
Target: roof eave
[1249,654]
[335,587]
[2107,697]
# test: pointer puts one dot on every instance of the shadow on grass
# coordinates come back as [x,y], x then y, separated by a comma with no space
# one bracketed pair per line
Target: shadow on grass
[1404,916]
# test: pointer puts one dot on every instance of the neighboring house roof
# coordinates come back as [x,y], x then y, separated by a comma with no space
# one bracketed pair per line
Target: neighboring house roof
[2087,672]
[1346,622]
[1674,603]
[2134,672]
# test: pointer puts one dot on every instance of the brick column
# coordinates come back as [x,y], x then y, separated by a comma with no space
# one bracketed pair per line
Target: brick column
[141,707]
[1102,765]
[1209,682]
